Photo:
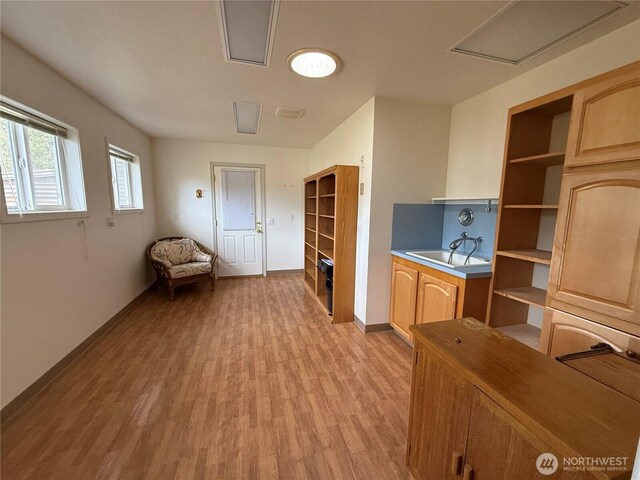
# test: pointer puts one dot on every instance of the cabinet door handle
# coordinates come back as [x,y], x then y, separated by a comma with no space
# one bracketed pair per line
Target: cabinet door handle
[456,463]
[468,473]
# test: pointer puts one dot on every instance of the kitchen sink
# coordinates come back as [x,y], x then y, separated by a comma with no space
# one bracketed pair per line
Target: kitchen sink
[441,257]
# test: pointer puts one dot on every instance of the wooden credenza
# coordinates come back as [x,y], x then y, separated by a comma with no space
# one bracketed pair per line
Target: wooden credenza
[485,407]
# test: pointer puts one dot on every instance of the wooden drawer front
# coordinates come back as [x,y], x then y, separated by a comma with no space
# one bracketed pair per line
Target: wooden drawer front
[605,121]
[563,333]
[436,300]
[404,287]
[597,245]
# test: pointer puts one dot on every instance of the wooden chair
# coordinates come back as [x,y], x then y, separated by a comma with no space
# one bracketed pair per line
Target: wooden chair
[181,260]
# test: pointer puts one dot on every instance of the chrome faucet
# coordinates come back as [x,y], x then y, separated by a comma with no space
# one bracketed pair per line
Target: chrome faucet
[455,244]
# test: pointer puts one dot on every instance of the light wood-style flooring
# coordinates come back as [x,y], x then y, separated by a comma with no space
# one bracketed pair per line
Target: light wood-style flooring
[250,381]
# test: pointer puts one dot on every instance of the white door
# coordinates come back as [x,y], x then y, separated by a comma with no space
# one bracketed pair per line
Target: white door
[238,221]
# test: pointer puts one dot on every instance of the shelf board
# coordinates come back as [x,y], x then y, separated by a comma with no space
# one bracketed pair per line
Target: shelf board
[330,237]
[529,295]
[327,216]
[326,254]
[312,245]
[311,273]
[312,259]
[529,255]
[328,195]
[464,201]
[546,159]
[311,196]
[524,333]
[550,207]
[310,229]
[310,213]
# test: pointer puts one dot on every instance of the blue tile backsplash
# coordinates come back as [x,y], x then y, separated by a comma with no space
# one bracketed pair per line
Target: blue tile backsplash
[416,226]
[484,225]
[428,226]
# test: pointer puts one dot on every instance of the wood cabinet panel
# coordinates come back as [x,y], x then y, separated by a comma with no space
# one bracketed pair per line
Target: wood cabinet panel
[596,261]
[493,430]
[404,287]
[605,120]
[439,418]
[518,404]
[436,300]
[563,333]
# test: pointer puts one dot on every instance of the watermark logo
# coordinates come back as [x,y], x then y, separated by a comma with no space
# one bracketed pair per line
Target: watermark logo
[547,464]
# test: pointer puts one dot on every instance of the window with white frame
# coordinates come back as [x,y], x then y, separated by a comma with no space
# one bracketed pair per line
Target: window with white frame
[126,181]
[40,163]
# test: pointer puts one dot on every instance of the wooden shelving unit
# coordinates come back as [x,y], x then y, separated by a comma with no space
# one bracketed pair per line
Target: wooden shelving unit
[331,208]
[529,197]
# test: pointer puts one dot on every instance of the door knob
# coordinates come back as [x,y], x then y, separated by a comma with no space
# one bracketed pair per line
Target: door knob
[258,227]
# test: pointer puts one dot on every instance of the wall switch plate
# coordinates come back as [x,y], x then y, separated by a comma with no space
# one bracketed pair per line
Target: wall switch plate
[292,217]
[362,189]
[111,221]
[271,221]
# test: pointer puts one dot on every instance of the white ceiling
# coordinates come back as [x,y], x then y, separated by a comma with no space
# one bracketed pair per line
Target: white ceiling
[160,64]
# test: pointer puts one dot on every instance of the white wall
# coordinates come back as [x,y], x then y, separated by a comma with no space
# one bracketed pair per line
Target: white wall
[52,296]
[410,145]
[183,166]
[478,125]
[344,146]
[404,145]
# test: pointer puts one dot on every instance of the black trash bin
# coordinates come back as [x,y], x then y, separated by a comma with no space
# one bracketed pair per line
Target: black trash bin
[326,267]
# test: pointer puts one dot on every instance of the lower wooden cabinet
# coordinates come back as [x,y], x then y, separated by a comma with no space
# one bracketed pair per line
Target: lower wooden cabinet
[436,299]
[563,333]
[438,419]
[486,407]
[420,294]
[404,287]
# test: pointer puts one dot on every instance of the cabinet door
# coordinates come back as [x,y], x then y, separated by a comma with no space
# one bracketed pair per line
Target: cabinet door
[563,334]
[501,448]
[596,258]
[404,286]
[605,120]
[436,300]
[438,418]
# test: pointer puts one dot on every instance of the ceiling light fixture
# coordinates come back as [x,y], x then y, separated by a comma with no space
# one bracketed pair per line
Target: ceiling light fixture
[247,117]
[523,29]
[314,63]
[248,30]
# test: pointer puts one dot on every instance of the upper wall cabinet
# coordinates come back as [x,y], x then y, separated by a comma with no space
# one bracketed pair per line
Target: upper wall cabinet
[605,120]
[596,263]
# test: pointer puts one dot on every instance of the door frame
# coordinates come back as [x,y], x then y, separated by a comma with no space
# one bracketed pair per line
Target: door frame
[263,210]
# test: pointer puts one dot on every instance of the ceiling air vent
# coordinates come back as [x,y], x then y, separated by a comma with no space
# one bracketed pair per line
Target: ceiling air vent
[525,28]
[248,29]
[290,112]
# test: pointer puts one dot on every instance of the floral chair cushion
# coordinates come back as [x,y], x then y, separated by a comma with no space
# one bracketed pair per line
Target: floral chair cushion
[190,269]
[178,252]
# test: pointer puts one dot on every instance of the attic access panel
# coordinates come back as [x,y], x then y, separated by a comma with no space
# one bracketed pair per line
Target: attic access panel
[526,28]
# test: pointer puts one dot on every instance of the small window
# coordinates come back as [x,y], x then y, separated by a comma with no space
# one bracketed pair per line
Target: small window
[40,164]
[126,182]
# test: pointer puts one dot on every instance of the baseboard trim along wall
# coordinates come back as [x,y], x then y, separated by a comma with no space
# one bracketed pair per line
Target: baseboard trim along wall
[284,272]
[33,390]
[378,327]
